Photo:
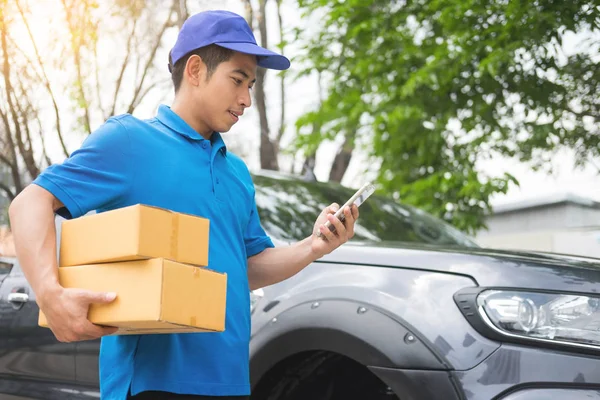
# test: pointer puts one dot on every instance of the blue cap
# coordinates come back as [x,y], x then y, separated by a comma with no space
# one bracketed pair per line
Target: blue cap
[225,29]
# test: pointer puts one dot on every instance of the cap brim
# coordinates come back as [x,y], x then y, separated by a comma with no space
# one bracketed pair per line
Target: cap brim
[266,58]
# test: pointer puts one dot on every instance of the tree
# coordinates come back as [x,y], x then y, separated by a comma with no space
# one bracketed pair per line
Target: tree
[77,56]
[437,86]
[269,144]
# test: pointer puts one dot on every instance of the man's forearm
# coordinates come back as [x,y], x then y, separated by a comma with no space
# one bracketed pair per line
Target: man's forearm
[277,264]
[32,223]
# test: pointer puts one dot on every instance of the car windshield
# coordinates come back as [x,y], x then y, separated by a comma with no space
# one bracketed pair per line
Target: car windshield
[288,208]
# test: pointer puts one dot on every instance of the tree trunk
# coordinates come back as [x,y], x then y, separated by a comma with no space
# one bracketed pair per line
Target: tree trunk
[268,150]
[182,13]
[342,159]
[249,13]
[308,168]
[281,82]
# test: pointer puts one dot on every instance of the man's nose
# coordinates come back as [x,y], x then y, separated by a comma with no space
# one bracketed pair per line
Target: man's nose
[246,98]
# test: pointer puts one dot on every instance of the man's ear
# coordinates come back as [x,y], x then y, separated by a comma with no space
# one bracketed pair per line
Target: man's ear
[195,70]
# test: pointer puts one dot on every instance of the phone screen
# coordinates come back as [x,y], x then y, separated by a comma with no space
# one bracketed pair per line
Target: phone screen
[358,198]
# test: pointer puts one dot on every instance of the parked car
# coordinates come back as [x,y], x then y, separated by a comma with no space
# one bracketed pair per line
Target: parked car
[409,309]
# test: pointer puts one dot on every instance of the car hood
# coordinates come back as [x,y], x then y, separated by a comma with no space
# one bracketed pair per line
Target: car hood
[488,267]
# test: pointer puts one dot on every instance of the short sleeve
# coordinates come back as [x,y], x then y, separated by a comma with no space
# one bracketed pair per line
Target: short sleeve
[97,175]
[255,238]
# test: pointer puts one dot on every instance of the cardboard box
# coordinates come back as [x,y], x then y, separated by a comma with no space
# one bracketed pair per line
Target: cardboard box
[134,233]
[153,296]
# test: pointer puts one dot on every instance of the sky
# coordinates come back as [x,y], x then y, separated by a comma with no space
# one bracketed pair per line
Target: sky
[302,96]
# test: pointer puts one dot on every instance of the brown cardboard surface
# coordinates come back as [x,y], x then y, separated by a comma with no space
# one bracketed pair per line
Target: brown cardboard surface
[134,233]
[165,327]
[153,296]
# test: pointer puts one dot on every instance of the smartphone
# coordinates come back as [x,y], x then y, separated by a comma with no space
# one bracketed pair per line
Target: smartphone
[358,198]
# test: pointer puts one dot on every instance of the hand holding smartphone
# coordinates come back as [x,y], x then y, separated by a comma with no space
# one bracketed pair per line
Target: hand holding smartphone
[358,198]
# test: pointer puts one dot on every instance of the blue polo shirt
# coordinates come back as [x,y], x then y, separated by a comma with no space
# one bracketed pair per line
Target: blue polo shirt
[163,162]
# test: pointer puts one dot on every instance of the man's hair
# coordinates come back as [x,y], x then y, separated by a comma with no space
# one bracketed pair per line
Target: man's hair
[212,55]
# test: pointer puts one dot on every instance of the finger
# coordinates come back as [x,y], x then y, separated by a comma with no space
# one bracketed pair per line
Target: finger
[81,330]
[339,226]
[93,331]
[355,211]
[58,334]
[332,209]
[349,223]
[104,330]
[326,233]
[98,297]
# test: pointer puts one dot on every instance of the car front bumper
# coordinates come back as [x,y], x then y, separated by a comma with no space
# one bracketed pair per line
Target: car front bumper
[510,373]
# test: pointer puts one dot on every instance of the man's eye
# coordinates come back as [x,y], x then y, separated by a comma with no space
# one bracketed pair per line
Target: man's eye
[237,81]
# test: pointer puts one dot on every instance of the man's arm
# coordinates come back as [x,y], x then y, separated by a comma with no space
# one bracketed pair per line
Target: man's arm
[32,223]
[277,264]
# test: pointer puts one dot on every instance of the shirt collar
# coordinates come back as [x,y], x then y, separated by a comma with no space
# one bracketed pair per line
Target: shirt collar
[174,122]
[217,142]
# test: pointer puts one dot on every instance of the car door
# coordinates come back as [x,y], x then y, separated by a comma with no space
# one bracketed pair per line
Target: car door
[87,367]
[33,364]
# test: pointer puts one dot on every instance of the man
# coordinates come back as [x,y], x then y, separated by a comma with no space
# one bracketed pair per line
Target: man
[176,161]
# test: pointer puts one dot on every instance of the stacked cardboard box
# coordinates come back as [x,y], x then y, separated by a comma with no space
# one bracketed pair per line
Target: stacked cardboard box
[154,260]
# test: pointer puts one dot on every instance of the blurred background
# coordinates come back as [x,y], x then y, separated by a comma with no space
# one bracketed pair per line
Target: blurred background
[483,113]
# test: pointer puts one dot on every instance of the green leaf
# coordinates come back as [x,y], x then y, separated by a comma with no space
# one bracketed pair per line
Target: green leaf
[401,75]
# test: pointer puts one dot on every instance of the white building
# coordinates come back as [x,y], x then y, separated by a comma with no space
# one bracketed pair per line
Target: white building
[563,223]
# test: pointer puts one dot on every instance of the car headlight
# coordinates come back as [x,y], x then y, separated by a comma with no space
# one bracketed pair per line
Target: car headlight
[555,318]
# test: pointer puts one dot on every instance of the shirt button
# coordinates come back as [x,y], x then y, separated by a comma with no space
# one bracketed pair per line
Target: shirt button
[217,181]
[204,145]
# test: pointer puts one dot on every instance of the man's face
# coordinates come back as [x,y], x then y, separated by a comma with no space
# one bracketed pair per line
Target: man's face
[221,100]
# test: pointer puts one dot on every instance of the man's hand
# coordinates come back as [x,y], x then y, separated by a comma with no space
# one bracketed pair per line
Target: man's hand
[329,240]
[34,232]
[277,264]
[66,311]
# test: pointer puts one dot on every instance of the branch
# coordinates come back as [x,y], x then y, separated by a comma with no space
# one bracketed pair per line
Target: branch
[249,14]
[46,83]
[123,67]
[5,160]
[151,57]
[11,195]
[98,97]
[136,44]
[342,58]
[8,88]
[24,115]
[28,156]
[33,166]
[14,168]
[24,112]
[4,116]
[182,13]
[44,153]
[77,56]
[3,140]
[144,93]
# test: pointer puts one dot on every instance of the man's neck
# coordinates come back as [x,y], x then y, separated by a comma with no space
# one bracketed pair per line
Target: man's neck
[184,112]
